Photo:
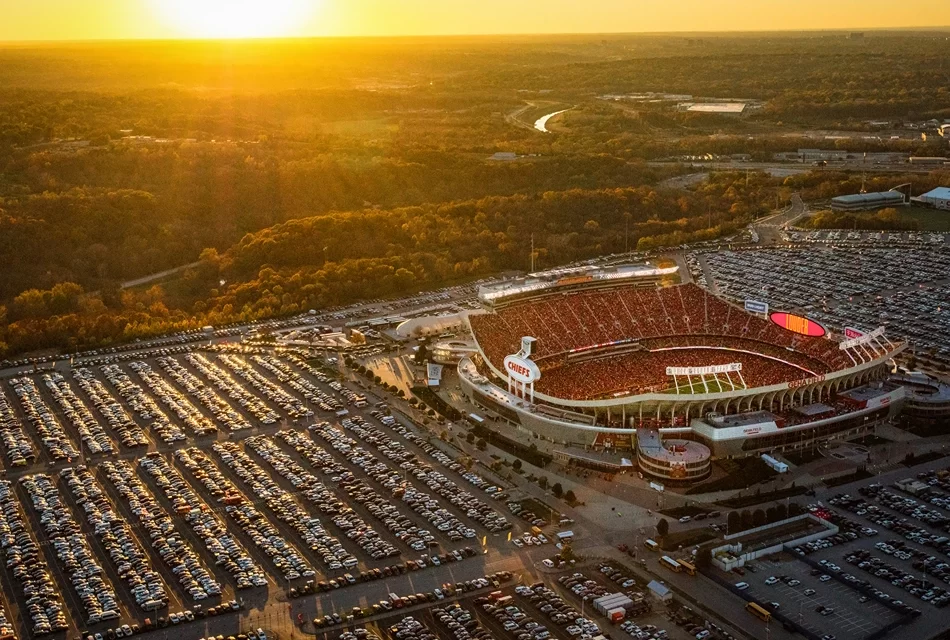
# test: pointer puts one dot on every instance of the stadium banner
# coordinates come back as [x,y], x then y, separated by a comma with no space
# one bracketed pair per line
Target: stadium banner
[867,337]
[798,324]
[851,332]
[574,280]
[522,369]
[704,371]
[754,306]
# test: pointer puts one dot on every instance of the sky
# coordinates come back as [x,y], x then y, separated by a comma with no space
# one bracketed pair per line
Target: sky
[159,19]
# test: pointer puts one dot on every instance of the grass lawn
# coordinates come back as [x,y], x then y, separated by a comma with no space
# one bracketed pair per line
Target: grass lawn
[929,219]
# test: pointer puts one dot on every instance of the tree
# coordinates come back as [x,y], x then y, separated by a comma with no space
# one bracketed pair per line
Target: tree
[758,518]
[470,438]
[794,509]
[746,516]
[781,511]
[733,522]
[569,497]
[704,557]
[662,527]
[481,444]
[557,490]
[771,514]
[516,465]
[543,482]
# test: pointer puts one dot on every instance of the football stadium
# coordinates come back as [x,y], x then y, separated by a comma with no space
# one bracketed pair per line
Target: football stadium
[610,359]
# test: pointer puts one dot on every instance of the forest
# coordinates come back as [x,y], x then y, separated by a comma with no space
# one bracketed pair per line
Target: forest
[262,162]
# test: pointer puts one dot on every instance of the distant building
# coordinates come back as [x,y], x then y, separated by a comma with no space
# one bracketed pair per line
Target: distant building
[868,201]
[735,109]
[856,35]
[504,156]
[938,198]
[822,154]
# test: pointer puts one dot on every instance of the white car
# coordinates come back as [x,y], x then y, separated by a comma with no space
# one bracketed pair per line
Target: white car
[771,580]
[742,586]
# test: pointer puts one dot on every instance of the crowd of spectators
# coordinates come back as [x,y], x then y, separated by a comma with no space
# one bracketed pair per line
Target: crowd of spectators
[665,323]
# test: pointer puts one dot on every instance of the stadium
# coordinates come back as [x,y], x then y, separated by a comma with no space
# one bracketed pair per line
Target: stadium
[608,358]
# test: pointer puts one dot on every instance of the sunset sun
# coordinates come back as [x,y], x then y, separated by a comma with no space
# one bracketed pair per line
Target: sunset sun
[235,18]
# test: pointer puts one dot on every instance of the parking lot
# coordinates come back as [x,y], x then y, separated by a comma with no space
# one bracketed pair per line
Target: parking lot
[901,288]
[800,594]
[158,491]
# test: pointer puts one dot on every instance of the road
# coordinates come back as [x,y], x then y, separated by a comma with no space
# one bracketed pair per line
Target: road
[157,276]
[795,167]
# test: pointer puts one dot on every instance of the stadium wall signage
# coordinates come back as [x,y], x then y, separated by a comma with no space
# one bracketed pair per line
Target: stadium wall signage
[754,306]
[794,384]
[704,371]
[522,369]
[862,339]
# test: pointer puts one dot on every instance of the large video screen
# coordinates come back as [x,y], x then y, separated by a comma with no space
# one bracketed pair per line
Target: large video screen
[798,324]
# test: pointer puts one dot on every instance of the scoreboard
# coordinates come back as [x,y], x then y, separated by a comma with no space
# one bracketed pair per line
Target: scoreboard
[798,324]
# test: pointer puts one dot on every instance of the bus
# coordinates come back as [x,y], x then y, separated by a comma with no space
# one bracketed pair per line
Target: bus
[671,564]
[758,612]
[688,567]
[651,545]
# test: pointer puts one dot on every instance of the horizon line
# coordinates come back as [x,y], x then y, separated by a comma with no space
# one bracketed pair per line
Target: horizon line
[406,36]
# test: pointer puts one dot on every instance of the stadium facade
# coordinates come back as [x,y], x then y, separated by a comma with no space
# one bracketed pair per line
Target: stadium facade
[607,358]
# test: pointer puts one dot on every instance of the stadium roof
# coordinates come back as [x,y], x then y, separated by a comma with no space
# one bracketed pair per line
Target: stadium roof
[810,410]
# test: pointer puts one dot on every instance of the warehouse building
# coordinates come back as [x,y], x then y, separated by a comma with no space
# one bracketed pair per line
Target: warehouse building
[938,198]
[868,201]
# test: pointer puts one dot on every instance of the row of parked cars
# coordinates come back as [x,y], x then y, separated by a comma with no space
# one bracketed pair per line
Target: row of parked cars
[265,536]
[399,602]
[342,514]
[131,562]
[143,405]
[220,378]
[48,428]
[269,389]
[437,454]
[91,432]
[469,504]
[68,542]
[173,619]
[224,413]
[513,618]
[370,575]
[165,538]
[227,551]
[44,602]
[311,529]
[461,624]
[560,612]
[397,483]
[175,401]
[886,520]
[916,586]
[16,444]
[383,508]
[284,373]
[130,435]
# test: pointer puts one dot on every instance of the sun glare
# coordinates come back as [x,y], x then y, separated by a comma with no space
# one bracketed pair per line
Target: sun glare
[236,18]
